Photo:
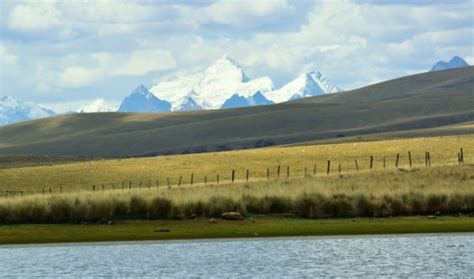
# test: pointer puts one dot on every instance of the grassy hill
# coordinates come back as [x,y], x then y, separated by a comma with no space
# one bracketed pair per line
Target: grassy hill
[418,102]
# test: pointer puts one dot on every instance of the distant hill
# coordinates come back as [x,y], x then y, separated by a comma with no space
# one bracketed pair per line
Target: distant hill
[420,101]
[455,62]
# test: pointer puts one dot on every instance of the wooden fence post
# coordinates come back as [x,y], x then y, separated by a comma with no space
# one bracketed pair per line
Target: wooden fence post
[462,155]
[93,187]
[384,162]
[268,174]
[305,172]
[314,169]
[233,176]
[339,168]
[130,185]
[329,167]
[429,159]
[180,179]
[426,159]
[192,179]
[248,173]
[278,171]
[357,165]
[205,180]
[287,171]
[50,190]
[217,179]
[409,158]
[168,181]
[371,162]
[397,160]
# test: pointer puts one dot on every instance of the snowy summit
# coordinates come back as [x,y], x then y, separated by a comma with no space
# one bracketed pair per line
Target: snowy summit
[224,84]
[98,105]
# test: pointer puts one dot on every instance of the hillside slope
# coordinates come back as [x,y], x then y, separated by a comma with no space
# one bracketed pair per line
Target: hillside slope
[421,101]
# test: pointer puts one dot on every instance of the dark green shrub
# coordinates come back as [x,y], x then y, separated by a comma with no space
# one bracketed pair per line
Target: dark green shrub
[99,210]
[119,209]
[160,208]
[308,205]
[30,213]
[278,204]
[138,207]
[436,202]
[193,208]
[364,206]
[218,205]
[60,211]
[416,203]
[338,206]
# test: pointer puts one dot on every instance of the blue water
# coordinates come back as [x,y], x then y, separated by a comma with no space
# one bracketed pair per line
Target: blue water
[448,255]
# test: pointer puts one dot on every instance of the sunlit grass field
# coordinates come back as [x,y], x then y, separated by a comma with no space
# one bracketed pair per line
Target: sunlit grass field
[164,170]
[420,191]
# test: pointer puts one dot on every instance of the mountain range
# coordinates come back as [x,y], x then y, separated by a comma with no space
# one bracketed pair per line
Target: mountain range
[434,103]
[222,85]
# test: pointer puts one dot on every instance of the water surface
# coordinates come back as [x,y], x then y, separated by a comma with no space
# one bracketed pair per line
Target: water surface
[390,255]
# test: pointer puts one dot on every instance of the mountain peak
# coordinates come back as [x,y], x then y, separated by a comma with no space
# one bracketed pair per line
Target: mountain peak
[455,62]
[98,105]
[142,100]
[141,89]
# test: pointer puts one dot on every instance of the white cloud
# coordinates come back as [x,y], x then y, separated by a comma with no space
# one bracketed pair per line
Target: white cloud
[6,57]
[79,76]
[34,16]
[243,13]
[145,61]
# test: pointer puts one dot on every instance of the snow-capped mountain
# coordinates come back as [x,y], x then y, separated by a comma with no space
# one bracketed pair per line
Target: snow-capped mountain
[13,109]
[455,62]
[224,84]
[211,88]
[98,105]
[142,100]
[306,85]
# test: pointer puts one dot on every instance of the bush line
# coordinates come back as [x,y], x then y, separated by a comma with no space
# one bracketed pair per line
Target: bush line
[58,209]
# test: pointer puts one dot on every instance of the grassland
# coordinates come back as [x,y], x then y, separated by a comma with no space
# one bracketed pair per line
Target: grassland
[435,190]
[201,228]
[116,173]
[294,205]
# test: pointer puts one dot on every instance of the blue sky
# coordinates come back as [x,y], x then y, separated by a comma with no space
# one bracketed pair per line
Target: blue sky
[64,54]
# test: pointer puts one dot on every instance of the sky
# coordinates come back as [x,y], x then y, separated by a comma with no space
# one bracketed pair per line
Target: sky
[64,54]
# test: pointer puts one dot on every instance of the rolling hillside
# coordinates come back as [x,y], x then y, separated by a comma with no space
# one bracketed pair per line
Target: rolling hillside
[421,101]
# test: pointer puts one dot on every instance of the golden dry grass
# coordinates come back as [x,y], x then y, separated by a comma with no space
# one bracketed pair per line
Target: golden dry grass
[115,173]
[370,194]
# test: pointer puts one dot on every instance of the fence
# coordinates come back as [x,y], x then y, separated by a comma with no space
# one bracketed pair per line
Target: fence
[278,172]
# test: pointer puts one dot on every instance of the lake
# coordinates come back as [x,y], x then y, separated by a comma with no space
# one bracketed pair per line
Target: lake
[439,255]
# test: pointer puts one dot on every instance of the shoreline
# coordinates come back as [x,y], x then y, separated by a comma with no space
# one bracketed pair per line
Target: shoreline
[202,230]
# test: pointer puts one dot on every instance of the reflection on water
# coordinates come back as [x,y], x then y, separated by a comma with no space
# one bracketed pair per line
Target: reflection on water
[392,255]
